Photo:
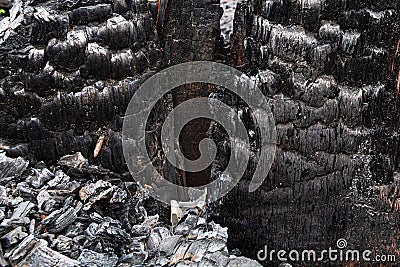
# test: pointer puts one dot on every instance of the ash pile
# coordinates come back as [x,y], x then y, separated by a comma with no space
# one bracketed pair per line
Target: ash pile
[77,214]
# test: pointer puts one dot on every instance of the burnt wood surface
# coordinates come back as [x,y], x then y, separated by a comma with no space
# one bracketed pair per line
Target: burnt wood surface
[68,71]
[192,33]
[329,69]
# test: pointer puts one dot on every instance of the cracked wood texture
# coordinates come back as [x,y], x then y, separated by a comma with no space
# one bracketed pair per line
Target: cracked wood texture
[68,71]
[70,68]
[329,70]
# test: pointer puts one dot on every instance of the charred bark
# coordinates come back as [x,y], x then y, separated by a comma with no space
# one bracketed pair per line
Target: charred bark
[327,69]
[68,72]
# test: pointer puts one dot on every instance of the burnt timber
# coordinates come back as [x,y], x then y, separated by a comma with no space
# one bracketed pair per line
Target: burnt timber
[330,69]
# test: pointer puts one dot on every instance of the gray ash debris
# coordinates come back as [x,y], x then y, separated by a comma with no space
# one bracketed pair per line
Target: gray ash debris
[76,214]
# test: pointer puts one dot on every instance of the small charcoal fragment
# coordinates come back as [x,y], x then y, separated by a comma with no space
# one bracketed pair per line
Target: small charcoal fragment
[90,258]
[13,237]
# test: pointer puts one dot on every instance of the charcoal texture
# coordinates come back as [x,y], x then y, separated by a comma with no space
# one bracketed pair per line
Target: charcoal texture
[84,215]
[68,70]
[324,67]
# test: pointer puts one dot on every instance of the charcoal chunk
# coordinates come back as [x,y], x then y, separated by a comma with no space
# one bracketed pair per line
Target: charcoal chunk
[13,237]
[11,167]
[91,258]
[35,252]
